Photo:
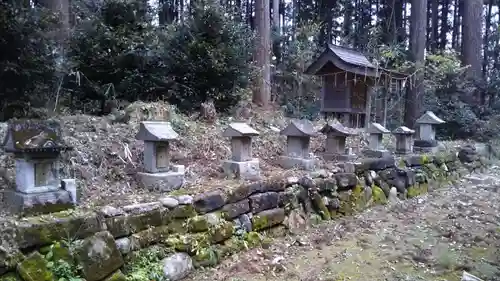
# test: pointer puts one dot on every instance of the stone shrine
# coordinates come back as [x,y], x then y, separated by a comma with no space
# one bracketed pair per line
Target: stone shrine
[37,146]
[336,136]
[298,136]
[242,164]
[160,174]
[404,140]
[426,141]
[375,149]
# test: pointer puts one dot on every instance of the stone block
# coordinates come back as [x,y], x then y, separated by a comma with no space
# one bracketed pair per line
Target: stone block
[233,210]
[376,153]
[247,170]
[163,182]
[177,266]
[301,163]
[38,203]
[267,219]
[35,268]
[98,256]
[263,201]
[125,225]
[375,164]
[209,201]
[346,181]
[44,230]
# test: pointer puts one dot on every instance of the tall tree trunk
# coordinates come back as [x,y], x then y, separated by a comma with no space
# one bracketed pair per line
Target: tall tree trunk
[418,36]
[487,38]
[277,31]
[472,36]
[445,28]
[262,94]
[456,25]
[434,25]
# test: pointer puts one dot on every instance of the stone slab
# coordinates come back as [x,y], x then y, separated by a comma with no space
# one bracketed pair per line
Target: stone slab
[376,153]
[163,182]
[304,164]
[338,157]
[39,203]
[248,170]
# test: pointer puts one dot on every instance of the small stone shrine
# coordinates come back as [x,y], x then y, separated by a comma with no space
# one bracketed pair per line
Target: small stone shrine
[426,141]
[375,149]
[159,174]
[37,146]
[298,136]
[242,164]
[336,136]
[404,140]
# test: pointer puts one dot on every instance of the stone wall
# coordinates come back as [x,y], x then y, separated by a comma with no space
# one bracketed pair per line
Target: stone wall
[200,230]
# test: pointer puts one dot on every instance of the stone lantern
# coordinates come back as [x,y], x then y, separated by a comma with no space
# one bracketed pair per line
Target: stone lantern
[336,136]
[404,140]
[37,146]
[298,136]
[427,123]
[375,149]
[242,164]
[159,173]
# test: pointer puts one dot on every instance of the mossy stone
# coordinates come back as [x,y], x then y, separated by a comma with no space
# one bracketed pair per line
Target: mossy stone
[188,243]
[35,268]
[352,201]
[378,195]
[206,257]
[197,224]
[45,229]
[253,239]
[268,218]
[320,206]
[183,212]
[116,276]
[149,236]
[221,232]
[99,256]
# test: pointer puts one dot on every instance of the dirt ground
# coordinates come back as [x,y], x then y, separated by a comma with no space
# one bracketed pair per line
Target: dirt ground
[435,237]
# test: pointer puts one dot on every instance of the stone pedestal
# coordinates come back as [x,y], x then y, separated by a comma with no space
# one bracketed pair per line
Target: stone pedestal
[242,165]
[163,181]
[426,141]
[36,146]
[159,174]
[298,155]
[336,136]
[375,148]
[404,140]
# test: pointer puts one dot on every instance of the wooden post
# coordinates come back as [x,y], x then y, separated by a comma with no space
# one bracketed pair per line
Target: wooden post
[368,110]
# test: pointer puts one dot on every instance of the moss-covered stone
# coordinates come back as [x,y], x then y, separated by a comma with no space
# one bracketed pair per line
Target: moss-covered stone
[206,257]
[149,236]
[197,224]
[132,223]
[253,239]
[352,201]
[183,212]
[378,195]
[268,218]
[35,268]
[188,243]
[99,256]
[116,276]
[58,251]
[320,206]
[43,230]
[221,232]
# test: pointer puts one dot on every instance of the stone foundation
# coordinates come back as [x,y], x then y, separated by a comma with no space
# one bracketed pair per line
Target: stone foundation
[246,170]
[192,231]
[165,181]
[291,162]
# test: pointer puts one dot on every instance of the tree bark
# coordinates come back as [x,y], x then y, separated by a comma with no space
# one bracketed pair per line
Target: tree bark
[445,28]
[262,93]
[472,36]
[434,25]
[418,37]
[487,38]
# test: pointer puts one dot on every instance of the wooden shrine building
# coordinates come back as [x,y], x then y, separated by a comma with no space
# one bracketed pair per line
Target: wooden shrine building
[348,82]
